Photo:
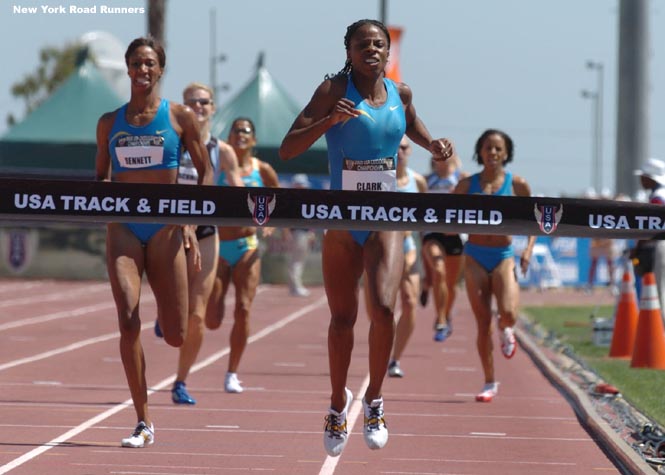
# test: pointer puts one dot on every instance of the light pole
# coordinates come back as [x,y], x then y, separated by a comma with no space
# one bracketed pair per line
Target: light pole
[214,57]
[596,181]
[598,133]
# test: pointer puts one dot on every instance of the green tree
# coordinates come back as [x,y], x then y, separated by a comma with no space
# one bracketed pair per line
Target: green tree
[55,66]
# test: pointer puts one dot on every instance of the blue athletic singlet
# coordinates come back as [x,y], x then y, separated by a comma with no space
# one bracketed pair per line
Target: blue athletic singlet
[187,172]
[445,184]
[362,151]
[411,185]
[253,178]
[490,257]
[505,190]
[151,147]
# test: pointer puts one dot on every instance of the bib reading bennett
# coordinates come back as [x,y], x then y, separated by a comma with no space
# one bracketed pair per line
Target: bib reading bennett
[362,151]
[153,146]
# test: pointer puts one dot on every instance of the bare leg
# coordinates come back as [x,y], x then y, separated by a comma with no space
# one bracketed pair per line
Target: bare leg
[341,256]
[384,263]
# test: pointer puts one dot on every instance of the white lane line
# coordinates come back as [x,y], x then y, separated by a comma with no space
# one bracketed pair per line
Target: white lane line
[161,385]
[356,409]
[22,285]
[55,296]
[57,315]
[65,349]
[483,461]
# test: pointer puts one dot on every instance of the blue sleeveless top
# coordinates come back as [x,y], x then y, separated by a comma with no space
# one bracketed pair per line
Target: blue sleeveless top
[251,179]
[187,172]
[155,146]
[411,186]
[362,151]
[505,190]
[438,184]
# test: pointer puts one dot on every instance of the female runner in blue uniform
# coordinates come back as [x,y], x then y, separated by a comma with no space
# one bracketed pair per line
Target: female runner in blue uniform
[490,265]
[141,143]
[239,259]
[363,116]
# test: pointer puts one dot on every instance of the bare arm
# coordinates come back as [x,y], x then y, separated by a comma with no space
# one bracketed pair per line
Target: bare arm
[103,158]
[463,186]
[193,142]
[268,175]
[440,149]
[326,108]
[421,183]
[229,164]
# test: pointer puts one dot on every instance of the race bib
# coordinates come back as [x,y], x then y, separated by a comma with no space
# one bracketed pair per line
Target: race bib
[369,175]
[140,151]
[187,173]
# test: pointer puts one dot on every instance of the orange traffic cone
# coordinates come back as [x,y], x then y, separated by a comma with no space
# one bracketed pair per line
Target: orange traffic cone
[649,350]
[625,317]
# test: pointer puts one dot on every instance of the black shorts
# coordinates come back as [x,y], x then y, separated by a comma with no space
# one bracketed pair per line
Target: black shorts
[204,231]
[451,243]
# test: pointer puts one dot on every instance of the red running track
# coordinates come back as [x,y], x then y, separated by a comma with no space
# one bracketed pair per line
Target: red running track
[64,404]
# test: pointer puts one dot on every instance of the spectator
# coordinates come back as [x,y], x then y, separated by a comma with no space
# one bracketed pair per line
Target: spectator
[649,253]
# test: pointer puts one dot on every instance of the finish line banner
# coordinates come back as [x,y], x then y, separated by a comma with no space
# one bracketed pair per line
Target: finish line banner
[93,201]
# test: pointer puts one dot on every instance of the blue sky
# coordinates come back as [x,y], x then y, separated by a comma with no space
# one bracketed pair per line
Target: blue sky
[517,65]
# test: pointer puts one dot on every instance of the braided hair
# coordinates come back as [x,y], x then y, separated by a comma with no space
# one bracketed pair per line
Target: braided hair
[350,31]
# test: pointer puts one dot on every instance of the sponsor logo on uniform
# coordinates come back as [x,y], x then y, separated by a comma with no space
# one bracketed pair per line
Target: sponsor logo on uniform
[548,217]
[261,207]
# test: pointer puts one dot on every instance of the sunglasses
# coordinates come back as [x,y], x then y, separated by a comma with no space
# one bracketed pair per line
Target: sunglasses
[242,130]
[203,102]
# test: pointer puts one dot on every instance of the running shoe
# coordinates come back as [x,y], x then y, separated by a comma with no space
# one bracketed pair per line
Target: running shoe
[180,395]
[300,292]
[142,436]
[375,429]
[232,383]
[158,330]
[489,391]
[335,434]
[442,332]
[394,371]
[508,342]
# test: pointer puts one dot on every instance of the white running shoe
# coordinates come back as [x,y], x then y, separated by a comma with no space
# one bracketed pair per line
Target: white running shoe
[142,436]
[375,429]
[394,370]
[232,383]
[489,391]
[508,342]
[335,434]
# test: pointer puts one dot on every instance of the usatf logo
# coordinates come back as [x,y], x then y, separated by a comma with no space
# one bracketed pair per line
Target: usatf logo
[261,207]
[548,217]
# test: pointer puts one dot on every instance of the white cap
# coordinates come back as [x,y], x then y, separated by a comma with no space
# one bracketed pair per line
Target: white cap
[654,169]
